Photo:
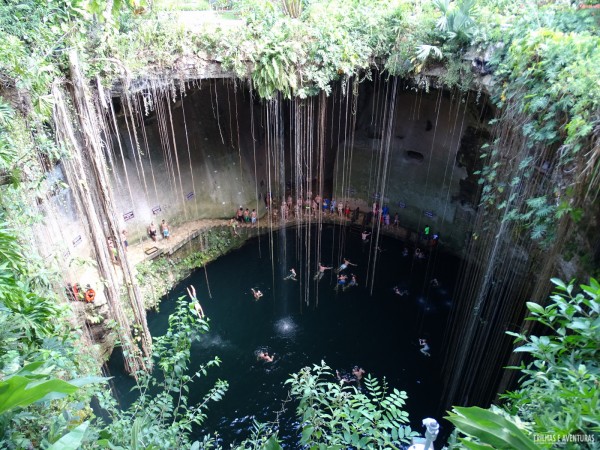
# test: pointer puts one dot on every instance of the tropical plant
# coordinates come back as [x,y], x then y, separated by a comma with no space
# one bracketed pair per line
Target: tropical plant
[559,389]
[456,22]
[558,397]
[334,415]
[161,417]
[489,429]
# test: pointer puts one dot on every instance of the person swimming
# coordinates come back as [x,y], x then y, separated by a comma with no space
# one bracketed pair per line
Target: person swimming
[353,282]
[358,372]
[292,275]
[344,378]
[257,293]
[344,265]
[341,281]
[424,347]
[399,292]
[264,356]
[321,271]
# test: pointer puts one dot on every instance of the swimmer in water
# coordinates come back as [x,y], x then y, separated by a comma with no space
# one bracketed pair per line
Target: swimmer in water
[434,282]
[257,294]
[292,275]
[197,307]
[399,292]
[424,347]
[264,356]
[341,282]
[358,372]
[321,271]
[365,236]
[352,282]
[345,378]
[344,265]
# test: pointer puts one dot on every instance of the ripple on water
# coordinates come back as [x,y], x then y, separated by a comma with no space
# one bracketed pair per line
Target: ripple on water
[286,328]
[215,340]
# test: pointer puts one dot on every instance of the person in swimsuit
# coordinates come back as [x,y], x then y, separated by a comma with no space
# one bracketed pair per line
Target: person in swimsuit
[164,229]
[344,378]
[399,292]
[257,293]
[352,282]
[197,307]
[341,281]
[152,231]
[292,275]
[358,372]
[264,356]
[124,239]
[424,347]
[320,272]
[344,265]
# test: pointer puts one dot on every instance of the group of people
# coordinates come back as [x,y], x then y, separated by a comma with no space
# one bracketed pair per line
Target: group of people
[164,230]
[309,207]
[383,215]
[345,281]
[245,216]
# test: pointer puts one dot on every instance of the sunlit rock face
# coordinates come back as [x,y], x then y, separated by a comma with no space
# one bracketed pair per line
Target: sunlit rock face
[214,149]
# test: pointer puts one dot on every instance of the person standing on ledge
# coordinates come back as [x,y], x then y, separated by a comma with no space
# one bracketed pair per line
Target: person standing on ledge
[152,231]
[164,229]
[124,240]
[426,232]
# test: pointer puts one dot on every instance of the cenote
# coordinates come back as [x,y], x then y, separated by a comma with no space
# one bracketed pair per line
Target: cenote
[378,332]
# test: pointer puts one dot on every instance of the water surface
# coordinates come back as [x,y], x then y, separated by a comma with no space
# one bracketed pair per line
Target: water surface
[379,332]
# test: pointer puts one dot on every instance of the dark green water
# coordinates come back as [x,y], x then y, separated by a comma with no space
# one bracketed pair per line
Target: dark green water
[379,332]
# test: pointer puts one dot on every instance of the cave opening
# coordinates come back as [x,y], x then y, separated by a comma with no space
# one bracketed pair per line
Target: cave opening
[377,148]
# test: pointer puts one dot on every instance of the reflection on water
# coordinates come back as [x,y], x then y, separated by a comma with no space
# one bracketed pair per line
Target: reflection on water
[286,328]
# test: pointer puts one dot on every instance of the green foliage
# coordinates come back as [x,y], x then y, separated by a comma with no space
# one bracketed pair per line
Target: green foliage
[337,416]
[456,22]
[558,394]
[33,384]
[489,429]
[164,420]
[156,277]
[559,389]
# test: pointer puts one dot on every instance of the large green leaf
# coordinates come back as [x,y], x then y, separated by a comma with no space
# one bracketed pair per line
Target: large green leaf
[20,391]
[71,440]
[490,428]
